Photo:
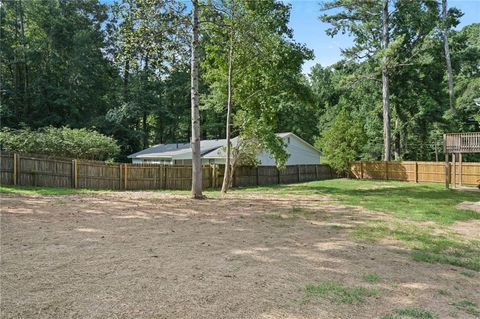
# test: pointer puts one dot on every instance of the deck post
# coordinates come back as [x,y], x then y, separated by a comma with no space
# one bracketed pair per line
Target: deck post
[454,173]
[461,169]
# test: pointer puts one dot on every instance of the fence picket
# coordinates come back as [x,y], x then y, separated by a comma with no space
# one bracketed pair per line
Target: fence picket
[72,173]
[416,171]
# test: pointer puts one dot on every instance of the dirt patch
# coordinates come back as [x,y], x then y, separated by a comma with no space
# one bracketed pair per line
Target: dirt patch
[158,255]
[475,206]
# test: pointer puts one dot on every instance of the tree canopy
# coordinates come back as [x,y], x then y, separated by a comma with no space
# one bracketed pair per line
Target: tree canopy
[122,69]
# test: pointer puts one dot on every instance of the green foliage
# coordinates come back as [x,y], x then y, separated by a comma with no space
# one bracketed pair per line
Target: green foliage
[420,111]
[343,142]
[62,142]
[262,47]
[339,293]
[122,68]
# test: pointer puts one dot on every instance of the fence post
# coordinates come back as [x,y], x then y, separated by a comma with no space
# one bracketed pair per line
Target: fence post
[164,176]
[416,172]
[316,172]
[120,169]
[361,169]
[386,170]
[256,175]
[278,175]
[210,173]
[15,169]
[74,174]
[447,165]
[125,176]
[298,173]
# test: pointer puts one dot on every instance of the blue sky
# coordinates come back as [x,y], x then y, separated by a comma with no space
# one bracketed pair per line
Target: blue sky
[310,30]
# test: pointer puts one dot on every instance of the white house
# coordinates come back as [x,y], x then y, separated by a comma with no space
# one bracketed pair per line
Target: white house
[213,152]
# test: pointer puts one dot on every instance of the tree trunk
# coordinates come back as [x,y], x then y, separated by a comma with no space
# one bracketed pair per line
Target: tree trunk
[196,155]
[145,111]
[227,178]
[385,87]
[26,100]
[125,80]
[447,55]
[145,128]
[397,149]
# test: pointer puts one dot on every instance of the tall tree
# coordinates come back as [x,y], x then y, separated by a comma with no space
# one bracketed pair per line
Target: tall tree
[259,46]
[445,29]
[385,83]
[388,36]
[196,153]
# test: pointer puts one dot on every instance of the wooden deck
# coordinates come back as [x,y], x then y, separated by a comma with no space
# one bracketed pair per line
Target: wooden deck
[462,142]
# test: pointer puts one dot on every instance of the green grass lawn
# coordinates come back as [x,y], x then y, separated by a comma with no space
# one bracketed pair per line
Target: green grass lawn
[408,204]
[45,191]
[409,201]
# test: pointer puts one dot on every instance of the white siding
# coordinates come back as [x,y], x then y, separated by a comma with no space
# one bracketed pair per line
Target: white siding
[300,153]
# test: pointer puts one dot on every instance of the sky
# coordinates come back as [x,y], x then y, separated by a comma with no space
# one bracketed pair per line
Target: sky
[308,29]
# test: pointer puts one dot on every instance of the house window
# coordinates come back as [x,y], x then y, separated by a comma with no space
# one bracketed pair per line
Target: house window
[288,140]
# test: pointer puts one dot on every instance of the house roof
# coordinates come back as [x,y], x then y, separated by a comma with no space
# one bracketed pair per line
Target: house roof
[172,150]
[220,152]
[212,148]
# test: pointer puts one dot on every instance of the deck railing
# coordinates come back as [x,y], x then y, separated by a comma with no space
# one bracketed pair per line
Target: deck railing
[462,142]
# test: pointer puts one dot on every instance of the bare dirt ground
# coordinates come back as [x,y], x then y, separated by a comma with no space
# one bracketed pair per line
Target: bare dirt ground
[155,255]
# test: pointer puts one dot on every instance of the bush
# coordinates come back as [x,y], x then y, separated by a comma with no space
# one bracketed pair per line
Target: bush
[63,142]
[343,142]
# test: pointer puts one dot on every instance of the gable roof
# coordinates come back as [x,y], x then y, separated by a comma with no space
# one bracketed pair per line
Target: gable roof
[220,152]
[171,150]
[210,147]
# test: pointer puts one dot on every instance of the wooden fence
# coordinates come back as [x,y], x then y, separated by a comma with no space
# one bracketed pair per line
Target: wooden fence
[28,170]
[416,171]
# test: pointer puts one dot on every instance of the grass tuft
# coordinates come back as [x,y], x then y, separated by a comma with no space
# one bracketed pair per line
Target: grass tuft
[443,292]
[338,293]
[468,274]
[468,306]
[472,263]
[416,313]
[371,277]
